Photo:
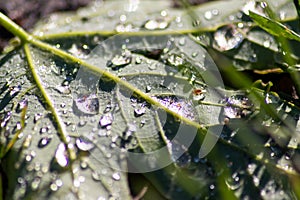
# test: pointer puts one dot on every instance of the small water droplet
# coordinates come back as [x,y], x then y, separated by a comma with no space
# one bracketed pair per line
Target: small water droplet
[5,120]
[119,61]
[125,27]
[35,183]
[175,60]
[238,106]
[27,141]
[208,15]
[106,120]
[37,116]
[82,123]
[116,176]
[22,105]
[84,144]
[88,104]
[227,38]
[156,24]
[138,60]
[96,176]
[148,88]
[139,111]
[61,155]
[44,130]
[44,141]
[107,108]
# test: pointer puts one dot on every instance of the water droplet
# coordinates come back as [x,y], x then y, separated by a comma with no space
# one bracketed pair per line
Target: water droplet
[106,120]
[84,144]
[88,104]
[13,91]
[35,183]
[254,6]
[44,130]
[5,120]
[175,60]
[82,123]
[267,43]
[125,27]
[182,41]
[227,38]
[37,116]
[139,111]
[27,141]
[61,155]
[148,88]
[116,176]
[238,106]
[119,61]
[107,108]
[44,141]
[96,176]
[63,89]
[156,24]
[208,15]
[138,60]
[282,15]
[22,105]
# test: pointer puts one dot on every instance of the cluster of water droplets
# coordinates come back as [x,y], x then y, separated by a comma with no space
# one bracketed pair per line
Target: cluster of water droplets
[237,106]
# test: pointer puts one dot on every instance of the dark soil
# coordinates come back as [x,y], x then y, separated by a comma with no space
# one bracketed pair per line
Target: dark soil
[27,12]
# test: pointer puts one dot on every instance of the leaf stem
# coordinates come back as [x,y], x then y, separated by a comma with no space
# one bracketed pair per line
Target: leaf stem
[60,127]
[14,28]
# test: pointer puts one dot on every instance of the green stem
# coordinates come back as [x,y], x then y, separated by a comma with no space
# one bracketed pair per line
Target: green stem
[14,28]
[51,107]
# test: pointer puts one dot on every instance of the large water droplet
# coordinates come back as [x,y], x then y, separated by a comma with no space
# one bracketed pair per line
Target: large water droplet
[119,61]
[84,144]
[227,38]
[61,155]
[88,104]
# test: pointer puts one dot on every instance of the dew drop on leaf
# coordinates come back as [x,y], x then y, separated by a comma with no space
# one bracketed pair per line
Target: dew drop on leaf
[44,141]
[63,89]
[84,144]
[22,105]
[116,176]
[61,155]
[125,27]
[119,61]
[156,24]
[5,119]
[237,106]
[227,38]
[139,111]
[37,116]
[87,104]
[106,120]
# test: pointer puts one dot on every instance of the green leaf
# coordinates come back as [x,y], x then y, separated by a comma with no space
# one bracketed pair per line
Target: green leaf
[274,27]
